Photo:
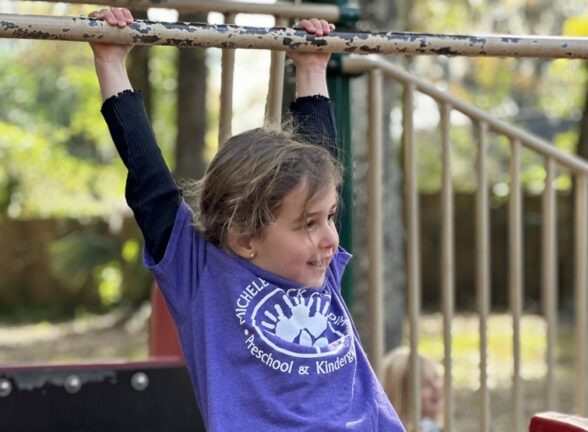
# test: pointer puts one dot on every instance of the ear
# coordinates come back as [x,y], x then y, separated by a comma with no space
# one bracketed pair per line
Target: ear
[240,244]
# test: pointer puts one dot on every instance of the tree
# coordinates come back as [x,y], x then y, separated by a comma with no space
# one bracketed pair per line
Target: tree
[191,116]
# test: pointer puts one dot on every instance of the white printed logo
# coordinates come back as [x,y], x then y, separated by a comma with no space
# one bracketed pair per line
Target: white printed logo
[300,327]
[299,320]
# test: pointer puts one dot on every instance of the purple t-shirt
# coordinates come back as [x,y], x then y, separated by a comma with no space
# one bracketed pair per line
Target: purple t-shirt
[263,353]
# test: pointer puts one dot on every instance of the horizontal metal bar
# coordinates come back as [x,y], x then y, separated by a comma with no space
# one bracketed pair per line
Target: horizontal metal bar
[231,36]
[282,9]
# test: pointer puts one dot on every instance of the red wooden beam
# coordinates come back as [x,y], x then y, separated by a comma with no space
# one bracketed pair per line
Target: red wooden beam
[557,422]
[163,336]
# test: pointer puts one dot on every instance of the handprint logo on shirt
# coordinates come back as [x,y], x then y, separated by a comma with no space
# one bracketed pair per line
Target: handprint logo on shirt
[299,325]
[304,322]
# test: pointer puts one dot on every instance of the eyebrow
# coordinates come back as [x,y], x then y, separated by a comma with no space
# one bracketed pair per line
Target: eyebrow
[333,208]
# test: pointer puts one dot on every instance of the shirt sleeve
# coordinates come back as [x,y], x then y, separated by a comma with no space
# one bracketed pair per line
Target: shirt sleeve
[314,121]
[150,191]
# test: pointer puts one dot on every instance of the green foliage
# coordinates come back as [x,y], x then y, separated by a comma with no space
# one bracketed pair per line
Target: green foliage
[106,268]
[523,92]
[162,76]
[57,160]
[56,155]
[74,258]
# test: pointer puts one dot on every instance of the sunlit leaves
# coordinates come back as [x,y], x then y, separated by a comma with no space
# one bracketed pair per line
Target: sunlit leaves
[576,25]
[51,181]
[56,155]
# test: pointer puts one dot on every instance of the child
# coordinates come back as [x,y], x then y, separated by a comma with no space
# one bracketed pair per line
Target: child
[251,269]
[397,386]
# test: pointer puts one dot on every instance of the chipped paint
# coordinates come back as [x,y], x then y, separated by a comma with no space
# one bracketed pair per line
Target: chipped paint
[144,32]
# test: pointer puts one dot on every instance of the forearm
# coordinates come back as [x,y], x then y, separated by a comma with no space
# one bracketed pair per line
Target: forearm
[112,77]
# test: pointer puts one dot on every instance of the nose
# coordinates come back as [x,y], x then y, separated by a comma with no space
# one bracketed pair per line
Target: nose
[329,237]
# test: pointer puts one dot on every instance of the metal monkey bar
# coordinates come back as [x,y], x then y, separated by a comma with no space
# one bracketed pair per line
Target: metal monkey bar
[143,32]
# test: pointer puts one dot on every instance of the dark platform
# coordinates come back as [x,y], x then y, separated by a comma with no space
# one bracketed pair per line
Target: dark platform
[139,396]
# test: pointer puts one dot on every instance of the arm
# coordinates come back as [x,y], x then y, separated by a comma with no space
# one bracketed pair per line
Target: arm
[312,110]
[150,191]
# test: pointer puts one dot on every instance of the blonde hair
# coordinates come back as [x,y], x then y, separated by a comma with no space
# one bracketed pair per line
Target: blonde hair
[245,183]
[396,381]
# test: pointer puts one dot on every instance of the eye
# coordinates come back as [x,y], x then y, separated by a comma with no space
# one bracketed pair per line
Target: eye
[310,223]
[331,217]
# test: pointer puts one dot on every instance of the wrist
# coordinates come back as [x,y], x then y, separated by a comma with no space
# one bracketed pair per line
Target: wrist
[310,83]
[311,67]
[109,62]
[112,76]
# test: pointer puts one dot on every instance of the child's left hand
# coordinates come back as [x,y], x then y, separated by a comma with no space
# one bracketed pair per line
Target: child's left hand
[318,27]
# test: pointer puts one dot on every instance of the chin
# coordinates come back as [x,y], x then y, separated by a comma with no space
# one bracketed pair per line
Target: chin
[313,283]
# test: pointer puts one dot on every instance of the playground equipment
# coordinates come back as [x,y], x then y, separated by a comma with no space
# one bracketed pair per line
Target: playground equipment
[127,379]
[231,36]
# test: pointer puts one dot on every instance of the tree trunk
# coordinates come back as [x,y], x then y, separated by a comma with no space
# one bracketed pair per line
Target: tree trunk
[191,119]
[138,67]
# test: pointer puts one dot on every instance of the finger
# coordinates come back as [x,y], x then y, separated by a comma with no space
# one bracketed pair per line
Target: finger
[326,27]
[305,25]
[318,28]
[109,17]
[121,20]
[128,16]
[98,14]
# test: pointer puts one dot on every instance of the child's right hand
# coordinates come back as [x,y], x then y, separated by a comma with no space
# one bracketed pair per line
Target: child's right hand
[111,53]
[317,27]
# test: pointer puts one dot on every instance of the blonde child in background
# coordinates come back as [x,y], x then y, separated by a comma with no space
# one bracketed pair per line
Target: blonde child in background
[397,369]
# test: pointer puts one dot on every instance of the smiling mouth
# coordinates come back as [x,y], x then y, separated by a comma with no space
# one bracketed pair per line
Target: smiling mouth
[320,265]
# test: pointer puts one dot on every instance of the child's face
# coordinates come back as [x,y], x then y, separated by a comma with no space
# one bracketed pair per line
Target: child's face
[431,395]
[300,250]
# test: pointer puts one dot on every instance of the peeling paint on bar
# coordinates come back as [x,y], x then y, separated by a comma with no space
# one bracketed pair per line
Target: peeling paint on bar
[279,38]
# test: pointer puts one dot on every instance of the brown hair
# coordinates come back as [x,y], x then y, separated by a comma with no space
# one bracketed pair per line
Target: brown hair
[250,175]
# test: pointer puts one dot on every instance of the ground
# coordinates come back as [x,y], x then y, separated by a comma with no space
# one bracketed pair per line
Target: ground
[114,336]
[120,335]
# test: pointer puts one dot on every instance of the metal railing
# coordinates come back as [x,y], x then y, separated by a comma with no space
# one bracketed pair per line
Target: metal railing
[484,123]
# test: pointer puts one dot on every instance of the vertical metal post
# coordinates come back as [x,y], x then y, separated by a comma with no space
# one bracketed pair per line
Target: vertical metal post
[581,294]
[483,271]
[412,248]
[375,223]
[447,262]
[516,280]
[273,107]
[226,91]
[549,277]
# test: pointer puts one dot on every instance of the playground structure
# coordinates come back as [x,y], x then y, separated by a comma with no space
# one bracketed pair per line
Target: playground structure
[14,26]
